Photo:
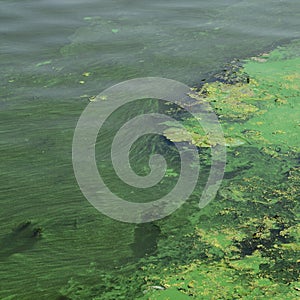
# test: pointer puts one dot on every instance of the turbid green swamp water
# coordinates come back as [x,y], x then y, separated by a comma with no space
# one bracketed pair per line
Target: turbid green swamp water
[56,56]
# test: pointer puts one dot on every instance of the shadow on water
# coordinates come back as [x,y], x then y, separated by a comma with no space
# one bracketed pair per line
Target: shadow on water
[22,238]
[145,239]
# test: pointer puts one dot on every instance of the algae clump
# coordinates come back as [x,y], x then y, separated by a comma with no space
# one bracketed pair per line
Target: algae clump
[245,244]
[264,112]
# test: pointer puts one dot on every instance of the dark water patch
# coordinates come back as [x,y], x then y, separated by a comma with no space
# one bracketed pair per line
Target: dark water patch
[145,239]
[22,238]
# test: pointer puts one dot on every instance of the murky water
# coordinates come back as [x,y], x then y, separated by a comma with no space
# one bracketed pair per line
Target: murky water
[54,56]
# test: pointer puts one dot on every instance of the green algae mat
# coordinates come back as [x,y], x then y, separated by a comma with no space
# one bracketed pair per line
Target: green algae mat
[245,243]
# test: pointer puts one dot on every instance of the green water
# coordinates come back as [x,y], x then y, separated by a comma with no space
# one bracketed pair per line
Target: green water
[54,56]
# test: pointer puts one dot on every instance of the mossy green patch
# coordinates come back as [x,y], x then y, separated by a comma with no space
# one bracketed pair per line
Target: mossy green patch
[263,112]
[254,255]
[245,244]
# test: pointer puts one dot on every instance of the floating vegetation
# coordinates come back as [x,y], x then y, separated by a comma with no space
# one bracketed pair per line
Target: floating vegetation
[263,111]
[232,102]
[258,256]
[244,245]
[176,134]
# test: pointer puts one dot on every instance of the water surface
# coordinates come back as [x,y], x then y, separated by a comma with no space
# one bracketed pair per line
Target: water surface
[47,49]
